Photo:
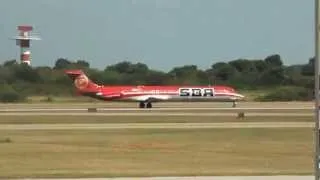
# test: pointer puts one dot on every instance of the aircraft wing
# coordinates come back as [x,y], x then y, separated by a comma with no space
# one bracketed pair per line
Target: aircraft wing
[151,98]
[108,96]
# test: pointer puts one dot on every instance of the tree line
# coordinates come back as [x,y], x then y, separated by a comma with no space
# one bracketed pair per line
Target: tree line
[294,82]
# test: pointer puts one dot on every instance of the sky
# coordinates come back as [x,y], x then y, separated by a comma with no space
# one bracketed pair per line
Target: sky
[160,33]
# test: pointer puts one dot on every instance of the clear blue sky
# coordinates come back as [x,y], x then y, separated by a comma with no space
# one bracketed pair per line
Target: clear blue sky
[160,33]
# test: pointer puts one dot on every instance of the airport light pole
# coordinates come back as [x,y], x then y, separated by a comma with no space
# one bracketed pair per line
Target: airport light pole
[316,89]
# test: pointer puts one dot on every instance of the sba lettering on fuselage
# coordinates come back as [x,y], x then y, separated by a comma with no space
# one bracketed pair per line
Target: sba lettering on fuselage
[196,92]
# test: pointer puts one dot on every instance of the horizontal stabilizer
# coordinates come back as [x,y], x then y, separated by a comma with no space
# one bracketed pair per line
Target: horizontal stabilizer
[73,74]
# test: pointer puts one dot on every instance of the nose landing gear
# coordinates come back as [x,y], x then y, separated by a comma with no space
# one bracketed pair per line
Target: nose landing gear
[234,104]
[145,105]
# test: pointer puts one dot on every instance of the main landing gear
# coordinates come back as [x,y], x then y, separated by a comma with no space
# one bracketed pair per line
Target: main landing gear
[145,105]
[234,104]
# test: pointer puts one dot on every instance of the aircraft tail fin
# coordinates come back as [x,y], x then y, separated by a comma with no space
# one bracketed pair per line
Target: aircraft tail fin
[73,74]
[81,81]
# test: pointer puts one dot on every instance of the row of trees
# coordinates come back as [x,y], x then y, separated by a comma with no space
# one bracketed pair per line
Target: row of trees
[295,81]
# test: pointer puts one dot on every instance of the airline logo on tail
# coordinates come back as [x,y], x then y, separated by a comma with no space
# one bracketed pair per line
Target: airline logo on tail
[81,82]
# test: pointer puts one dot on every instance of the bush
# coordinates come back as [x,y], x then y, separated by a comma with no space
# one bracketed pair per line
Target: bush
[8,95]
[47,99]
[287,94]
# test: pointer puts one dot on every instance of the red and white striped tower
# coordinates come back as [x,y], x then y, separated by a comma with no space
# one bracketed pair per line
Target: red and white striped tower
[23,41]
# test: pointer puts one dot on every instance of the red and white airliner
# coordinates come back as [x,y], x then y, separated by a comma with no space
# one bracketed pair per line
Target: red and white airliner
[146,95]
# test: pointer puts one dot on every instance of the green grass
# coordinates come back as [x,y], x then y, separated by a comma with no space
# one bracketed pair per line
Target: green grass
[59,99]
[101,153]
[142,119]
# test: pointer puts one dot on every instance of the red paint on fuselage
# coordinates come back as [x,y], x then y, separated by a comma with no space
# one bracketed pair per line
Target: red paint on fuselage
[145,93]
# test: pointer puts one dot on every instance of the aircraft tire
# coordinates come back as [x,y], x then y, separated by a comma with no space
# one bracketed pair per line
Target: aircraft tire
[149,105]
[234,104]
[141,105]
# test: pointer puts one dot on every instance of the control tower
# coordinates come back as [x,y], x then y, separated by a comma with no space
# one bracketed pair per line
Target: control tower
[23,41]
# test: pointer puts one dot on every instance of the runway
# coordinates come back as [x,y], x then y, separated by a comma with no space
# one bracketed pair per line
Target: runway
[162,111]
[156,114]
[129,112]
[193,178]
[228,125]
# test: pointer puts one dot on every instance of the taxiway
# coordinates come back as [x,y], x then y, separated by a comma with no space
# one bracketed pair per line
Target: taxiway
[67,109]
[157,125]
[194,178]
